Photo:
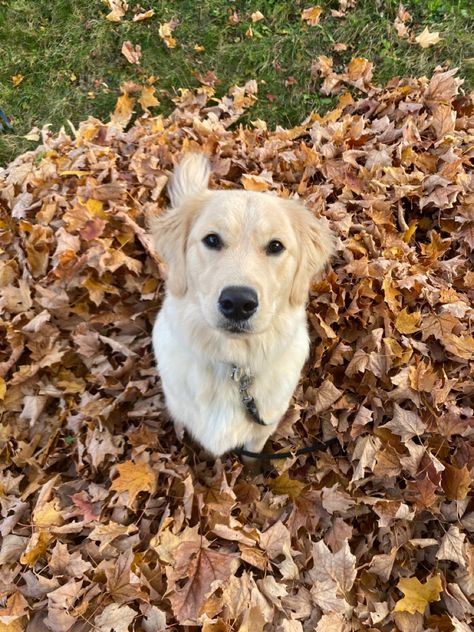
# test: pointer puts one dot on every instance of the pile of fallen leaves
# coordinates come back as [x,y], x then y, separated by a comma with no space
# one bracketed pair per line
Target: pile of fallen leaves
[107,521]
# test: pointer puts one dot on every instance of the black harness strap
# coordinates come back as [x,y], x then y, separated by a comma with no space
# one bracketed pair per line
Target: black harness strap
[245,379]
[270,456]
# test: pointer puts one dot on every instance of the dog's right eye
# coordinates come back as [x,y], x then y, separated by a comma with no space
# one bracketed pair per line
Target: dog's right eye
[213,241]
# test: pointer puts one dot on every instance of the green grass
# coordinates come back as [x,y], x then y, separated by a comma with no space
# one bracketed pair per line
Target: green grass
[69,54]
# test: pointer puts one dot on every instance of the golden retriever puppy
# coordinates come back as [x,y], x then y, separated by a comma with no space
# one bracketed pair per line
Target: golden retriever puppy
[231,337]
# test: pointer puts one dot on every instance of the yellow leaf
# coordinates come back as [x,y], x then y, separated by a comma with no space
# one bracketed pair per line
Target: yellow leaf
[3,388]
[254,183]
[17,79]
[97,289]
[118,9]
[410,232]
[75,172]
[426,39]
[165,31]
[143,16]
[123,110]
[257,16]
[312,15]
[134,478]
[95,208]
[14,626]
[147,98]
[36,548]
[418,595]
[391,293]
[407,323]
[48,515]
[198,48]
[284,485]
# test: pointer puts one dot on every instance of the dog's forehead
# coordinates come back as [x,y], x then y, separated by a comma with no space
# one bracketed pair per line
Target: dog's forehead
[237,209]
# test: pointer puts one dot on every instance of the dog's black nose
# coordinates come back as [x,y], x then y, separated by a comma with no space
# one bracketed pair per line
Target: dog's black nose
[238,302]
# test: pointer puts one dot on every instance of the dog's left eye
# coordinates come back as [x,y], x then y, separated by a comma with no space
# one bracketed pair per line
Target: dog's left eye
[274,247]
[213,241]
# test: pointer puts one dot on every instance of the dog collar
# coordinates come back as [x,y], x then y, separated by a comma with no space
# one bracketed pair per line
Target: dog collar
[244,378]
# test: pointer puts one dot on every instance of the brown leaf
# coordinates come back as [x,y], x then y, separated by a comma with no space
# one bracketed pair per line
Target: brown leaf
[405,423]
[456,482]
[200,567]
[115,618]
[453,547]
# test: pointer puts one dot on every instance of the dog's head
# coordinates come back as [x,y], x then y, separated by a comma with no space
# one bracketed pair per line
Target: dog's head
[241,257]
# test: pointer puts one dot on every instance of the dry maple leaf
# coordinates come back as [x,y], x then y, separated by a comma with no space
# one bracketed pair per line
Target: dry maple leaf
[417,595]
[114,618]
[144,15]
[407,323]
[132,54]
[118,8]
[453,547]
[15,608]
[426,38]
[123,110]
[456,482]
[256,16]
[312,15]
[134,478]
[17,79]
[165,32]
[147,98]
[405,423]
[200,567]
[108,532]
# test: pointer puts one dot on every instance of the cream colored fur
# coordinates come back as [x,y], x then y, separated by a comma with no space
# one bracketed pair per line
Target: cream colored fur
[194,353]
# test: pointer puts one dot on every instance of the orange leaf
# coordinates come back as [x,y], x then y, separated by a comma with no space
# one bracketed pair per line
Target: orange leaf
[134,478]
[123,110]
[17,79]
[312,15]
[147,98]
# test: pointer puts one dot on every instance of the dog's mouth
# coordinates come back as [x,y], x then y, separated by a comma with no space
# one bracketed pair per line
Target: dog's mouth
[236,327]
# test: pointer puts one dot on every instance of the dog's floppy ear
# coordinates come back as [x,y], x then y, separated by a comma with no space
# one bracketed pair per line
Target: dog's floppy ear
[316,245]
[186,189]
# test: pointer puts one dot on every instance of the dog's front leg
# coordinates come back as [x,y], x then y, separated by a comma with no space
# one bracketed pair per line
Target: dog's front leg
[257,443]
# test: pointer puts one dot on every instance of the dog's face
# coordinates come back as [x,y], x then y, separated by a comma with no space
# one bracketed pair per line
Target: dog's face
[241,257]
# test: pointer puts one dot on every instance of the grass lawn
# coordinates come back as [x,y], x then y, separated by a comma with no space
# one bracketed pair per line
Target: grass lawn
[69,56]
